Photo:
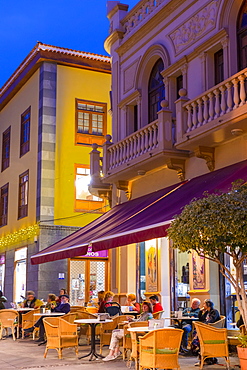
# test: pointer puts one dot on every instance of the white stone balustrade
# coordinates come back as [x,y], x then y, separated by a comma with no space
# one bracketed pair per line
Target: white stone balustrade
[133,146]
[214,103]
[153,138]
[140,13]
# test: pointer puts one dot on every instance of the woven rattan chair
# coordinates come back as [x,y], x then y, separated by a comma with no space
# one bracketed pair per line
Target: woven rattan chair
[60,334]
[28,320]
[85,329]
[77,308]
[159,349]
[135,342]
[157,315]
[220,323]
[107,328]
[92,309]
[70,317]
[213,343]
[8,319]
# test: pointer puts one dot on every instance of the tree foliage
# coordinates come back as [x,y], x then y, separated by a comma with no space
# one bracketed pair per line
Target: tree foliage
[215,224]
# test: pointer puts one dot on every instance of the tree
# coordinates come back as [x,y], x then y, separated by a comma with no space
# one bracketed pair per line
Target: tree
[216,224]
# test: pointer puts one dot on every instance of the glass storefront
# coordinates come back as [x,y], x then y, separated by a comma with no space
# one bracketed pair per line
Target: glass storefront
[20,274]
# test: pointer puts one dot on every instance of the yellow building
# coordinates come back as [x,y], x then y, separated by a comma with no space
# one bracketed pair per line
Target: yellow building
[54,106]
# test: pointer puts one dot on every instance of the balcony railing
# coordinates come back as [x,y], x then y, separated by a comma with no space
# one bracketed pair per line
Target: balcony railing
[134,146]
[140,13]
[221,99]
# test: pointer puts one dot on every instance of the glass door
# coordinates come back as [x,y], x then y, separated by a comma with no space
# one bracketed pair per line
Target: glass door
[87,278]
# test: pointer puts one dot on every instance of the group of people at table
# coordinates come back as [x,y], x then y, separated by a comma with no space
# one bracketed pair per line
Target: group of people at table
[60,304]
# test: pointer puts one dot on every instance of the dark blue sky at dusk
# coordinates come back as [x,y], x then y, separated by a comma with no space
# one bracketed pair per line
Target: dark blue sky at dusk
[75,24]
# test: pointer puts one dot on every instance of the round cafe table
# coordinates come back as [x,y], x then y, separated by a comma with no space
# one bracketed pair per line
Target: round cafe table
[92,323]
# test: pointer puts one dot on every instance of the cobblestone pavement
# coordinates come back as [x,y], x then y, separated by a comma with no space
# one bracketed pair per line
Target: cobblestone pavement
[27,355]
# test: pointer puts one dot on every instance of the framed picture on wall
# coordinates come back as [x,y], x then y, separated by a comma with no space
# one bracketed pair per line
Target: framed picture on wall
[151,250]
[198,264]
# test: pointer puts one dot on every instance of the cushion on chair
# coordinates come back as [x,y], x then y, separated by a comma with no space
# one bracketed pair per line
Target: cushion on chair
[216,341]
[161,351]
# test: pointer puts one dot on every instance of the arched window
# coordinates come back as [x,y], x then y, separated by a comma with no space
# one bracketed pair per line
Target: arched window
[156,91]
[242,36]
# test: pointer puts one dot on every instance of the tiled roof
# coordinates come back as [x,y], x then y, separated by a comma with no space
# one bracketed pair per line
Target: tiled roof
[55,49]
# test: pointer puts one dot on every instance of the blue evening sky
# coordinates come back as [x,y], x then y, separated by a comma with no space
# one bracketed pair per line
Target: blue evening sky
[75,24]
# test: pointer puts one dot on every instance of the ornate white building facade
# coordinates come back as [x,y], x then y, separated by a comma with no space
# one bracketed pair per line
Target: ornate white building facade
[179,112]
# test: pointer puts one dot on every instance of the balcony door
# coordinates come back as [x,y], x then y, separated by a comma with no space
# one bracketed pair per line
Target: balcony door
[242,37]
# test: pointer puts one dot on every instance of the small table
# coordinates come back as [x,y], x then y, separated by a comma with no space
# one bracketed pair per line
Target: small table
[181,319]
[23,309]
[92,323]
[49,314]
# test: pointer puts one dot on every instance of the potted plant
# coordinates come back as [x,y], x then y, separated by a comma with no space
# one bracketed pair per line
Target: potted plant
[242,351]
[213,225]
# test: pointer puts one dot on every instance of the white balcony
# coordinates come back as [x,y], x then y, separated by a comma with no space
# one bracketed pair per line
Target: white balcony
[213,117]
[150,147]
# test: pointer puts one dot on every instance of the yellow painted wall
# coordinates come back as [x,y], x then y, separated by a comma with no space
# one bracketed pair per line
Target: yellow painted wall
[27,96]
[74,83]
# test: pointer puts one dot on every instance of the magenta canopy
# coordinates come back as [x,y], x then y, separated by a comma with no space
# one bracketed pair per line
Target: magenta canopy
[142,218]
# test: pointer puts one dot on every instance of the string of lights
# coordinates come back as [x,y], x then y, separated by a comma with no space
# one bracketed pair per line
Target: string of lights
[33,230]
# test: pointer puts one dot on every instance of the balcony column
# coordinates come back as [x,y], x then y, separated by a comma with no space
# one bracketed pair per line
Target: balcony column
[225,43]
[181,115]
[95,162]
[165,126]
[203,57]
[106,154]
[139,107]
[184,70]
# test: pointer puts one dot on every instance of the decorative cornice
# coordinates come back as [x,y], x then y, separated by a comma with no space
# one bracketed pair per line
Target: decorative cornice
[206,153]
[136,94]
[196,27]
[110,40]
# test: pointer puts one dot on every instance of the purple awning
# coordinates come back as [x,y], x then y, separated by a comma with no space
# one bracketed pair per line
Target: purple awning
[143,218]
[77,243]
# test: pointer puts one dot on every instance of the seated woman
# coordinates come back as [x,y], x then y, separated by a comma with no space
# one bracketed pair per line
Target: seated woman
[118,334]
[108,298]
[131,302]
[61,292]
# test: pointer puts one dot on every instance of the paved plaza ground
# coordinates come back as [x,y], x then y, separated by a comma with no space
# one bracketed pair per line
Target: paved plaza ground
[26,354]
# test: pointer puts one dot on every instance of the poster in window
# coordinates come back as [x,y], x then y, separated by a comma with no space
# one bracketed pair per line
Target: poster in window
[75,284]
[198,263]
[151,266]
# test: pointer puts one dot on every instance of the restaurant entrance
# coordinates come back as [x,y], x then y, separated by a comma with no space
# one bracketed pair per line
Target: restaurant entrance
[88,276]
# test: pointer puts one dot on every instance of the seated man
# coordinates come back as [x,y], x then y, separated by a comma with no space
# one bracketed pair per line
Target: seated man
[208,314]
[154,299]
[192,311]
[64,307]
[31,301]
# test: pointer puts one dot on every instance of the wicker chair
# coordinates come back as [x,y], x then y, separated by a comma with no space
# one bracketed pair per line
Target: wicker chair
[70,317]
[213,343]
[92,309]
[8,319]
[107,328]
[159,349]
[134,341]
[157,315]
[77,308]
[60,334]
[220,323]
[28,320]
[85,329]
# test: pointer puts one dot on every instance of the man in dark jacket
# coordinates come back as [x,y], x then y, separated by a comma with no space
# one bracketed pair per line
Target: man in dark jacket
[64,307]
